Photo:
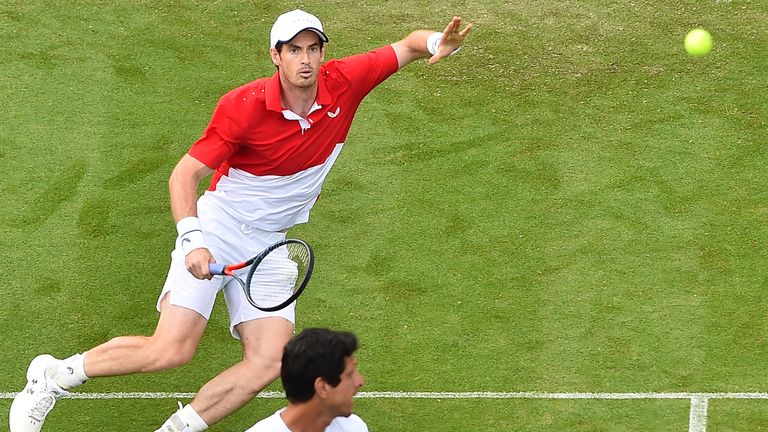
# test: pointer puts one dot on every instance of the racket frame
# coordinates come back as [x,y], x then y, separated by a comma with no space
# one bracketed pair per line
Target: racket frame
[229,270]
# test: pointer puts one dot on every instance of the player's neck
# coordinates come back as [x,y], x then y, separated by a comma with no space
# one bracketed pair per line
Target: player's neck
[298,99]
[305,417]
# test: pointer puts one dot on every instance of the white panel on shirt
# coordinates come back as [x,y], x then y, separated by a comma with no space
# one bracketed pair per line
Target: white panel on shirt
[272,203]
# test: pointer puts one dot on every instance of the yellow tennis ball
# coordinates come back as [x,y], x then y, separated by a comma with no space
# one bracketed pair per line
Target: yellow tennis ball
[698,42]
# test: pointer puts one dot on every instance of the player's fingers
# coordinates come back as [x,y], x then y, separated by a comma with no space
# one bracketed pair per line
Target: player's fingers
[203,273]
[466,30]
[205,267]
[197,263]
[451,27]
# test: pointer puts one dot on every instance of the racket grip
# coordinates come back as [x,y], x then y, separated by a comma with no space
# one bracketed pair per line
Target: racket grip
[216,268]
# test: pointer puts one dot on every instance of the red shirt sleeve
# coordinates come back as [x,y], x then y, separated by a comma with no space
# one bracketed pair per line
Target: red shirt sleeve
[366,71]
[219,140]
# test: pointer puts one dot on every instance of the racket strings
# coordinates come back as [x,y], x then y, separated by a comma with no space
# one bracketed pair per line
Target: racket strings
[274,280]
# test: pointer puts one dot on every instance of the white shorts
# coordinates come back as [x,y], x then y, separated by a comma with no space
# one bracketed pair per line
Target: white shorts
[229,241]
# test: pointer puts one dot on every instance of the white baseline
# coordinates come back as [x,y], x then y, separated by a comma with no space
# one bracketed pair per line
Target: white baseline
[697,419]
[436,395]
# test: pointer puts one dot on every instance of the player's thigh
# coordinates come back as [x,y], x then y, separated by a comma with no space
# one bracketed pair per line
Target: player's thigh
[264,339]
[178,324]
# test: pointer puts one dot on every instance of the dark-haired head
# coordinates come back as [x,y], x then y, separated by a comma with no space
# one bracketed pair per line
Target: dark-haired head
[314,353]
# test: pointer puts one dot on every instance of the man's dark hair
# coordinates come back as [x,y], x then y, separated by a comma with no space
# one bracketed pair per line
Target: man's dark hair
[314,353]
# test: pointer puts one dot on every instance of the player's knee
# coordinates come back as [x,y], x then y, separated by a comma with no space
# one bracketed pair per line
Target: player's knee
[171,360]
[169,356]
[272,370]
[269,369]
[260,372]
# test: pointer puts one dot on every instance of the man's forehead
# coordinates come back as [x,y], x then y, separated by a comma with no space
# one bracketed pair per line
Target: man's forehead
[304,38]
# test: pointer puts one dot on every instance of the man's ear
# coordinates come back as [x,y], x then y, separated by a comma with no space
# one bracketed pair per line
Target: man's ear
[321,388]
[275,56]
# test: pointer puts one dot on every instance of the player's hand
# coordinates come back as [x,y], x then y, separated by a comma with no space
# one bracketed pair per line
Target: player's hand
[452,39]
[197,263]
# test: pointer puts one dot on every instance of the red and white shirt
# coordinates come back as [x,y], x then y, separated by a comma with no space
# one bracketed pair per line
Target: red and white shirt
[270,164]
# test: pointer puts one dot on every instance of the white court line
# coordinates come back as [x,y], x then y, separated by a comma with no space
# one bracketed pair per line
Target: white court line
[441,395]
[697,421]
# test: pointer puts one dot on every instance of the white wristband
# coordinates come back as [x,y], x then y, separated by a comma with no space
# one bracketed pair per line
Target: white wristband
[433,43]
[190,234]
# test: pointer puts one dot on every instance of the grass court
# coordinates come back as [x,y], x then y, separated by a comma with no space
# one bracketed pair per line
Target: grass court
[570,205]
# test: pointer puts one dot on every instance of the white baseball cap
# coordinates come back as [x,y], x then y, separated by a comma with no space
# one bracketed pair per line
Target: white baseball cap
[289,24]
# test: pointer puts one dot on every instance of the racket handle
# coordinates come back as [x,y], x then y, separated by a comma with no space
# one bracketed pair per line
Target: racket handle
[216,268]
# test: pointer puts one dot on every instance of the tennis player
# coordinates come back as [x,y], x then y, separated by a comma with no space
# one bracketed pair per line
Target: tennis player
[320,377]
[269,147]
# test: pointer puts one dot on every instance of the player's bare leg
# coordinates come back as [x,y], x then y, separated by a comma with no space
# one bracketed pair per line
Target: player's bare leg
[173,344]
[263,342]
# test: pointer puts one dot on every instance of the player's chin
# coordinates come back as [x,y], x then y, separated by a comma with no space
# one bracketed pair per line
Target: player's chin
[347,410]
[304,81]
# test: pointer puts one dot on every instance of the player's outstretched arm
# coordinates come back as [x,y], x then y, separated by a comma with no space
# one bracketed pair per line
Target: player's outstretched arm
[429,44]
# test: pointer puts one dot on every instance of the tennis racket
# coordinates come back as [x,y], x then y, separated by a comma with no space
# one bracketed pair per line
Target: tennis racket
[276,277]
